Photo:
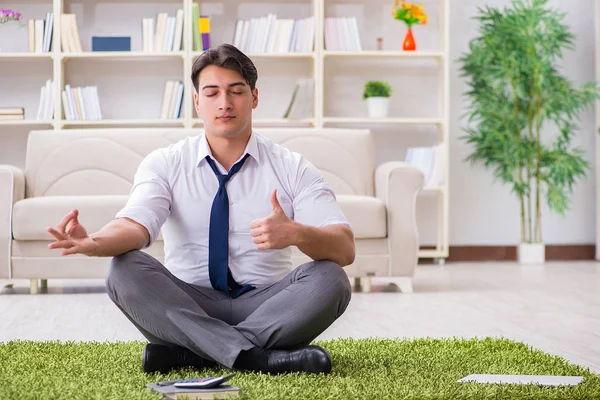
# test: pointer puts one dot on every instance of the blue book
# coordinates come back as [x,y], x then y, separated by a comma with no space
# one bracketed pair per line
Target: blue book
[111,43]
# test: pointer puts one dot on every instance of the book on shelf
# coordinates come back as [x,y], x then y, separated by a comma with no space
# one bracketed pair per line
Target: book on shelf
[46,107]
[222,391]
[164,35]
[172,100]
[302,101]
[39,34]
[341,34]
[430,161]
[200,29]
[81,103]
[271,35]
[70,40]
[12,113]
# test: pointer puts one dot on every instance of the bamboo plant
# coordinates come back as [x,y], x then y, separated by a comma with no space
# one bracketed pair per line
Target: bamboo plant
[522,112]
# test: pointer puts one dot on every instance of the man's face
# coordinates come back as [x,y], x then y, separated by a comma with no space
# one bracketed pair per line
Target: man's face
[225,102]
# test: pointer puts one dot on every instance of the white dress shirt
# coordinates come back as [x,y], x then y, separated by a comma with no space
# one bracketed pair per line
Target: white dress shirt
[174,188]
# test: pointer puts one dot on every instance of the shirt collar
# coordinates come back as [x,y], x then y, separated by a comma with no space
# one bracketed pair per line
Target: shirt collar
[204,148]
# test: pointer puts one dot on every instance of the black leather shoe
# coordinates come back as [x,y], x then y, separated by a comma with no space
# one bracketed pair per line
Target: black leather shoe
[313,359]
[159,358]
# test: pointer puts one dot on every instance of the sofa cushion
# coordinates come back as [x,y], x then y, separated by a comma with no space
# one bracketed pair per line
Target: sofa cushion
[32,216]
[367,215]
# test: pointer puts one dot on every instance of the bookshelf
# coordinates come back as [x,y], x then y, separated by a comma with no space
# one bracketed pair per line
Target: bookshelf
[336,74]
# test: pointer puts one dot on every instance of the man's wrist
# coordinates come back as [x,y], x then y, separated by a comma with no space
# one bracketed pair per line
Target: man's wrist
[298,234]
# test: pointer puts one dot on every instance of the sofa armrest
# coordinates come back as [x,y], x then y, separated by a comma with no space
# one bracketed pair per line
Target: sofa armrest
[397,184]
[12,189]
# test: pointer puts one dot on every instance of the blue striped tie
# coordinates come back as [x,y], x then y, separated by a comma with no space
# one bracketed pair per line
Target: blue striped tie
[218,236]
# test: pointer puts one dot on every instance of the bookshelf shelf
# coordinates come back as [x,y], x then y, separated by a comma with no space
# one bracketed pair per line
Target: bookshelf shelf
[123,55]
[337,75]
[385,54]
[282,122]
[345,120]
[24,122]
[25,56]
[123,122]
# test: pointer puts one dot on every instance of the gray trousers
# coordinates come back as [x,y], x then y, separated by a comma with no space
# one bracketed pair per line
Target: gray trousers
[284,315]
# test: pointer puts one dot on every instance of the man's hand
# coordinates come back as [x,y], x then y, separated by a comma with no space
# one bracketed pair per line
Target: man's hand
[72,237]
[275,231]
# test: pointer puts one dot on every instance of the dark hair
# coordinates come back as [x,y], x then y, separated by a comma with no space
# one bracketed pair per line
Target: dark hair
[225,56]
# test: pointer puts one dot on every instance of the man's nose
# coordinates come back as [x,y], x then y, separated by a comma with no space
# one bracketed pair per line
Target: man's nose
[225,103]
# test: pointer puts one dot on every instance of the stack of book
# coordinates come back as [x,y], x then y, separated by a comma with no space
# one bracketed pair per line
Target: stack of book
[271,35]
[10,113]
[163,36]
[81,103]
[70,34]
[46,108]
[341,34]
[39,34]
[172,100]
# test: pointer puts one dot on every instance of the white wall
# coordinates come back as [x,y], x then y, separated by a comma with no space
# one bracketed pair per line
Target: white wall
[481,212]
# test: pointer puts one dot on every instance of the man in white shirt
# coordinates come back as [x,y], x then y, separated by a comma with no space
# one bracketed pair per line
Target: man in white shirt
[229,204]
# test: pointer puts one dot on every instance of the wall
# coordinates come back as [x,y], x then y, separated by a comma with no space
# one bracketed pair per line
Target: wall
[482,212]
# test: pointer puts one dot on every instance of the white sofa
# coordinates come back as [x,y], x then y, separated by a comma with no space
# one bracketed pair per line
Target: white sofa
[93,170]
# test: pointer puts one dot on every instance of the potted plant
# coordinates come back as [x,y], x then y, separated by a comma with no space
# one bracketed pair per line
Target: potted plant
[377,94]
[10,15]
[516,92]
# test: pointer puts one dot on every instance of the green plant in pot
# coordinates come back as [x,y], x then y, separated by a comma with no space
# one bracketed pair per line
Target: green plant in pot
[522,111]
[377,94]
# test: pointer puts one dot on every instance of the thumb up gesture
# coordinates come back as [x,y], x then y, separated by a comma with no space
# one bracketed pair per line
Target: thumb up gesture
[275,231]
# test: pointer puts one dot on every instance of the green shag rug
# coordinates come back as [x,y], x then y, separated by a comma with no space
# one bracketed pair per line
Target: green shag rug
[362,369]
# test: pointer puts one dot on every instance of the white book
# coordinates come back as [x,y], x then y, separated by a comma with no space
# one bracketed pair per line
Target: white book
[179,98]
[49,101]
[169,35]
[237,33]
[64,37]
[178,30]
[47,33]
[31,35]
[173,99]
[159,33]
[310,35]
[71,101]
[97,102]
[40,114]
[39,35]
[84,114]
[244,38]
[164,108]
[356,34]
[75,31]
[65,102]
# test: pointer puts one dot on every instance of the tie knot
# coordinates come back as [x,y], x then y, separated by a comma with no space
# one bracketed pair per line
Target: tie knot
[223,179]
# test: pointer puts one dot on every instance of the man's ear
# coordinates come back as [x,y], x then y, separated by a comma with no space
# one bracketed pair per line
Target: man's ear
[254,98]
[196,107]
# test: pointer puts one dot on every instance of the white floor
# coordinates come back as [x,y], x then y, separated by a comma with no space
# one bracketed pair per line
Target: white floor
[555,307]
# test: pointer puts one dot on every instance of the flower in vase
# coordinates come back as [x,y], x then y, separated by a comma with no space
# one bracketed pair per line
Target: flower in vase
[411,14]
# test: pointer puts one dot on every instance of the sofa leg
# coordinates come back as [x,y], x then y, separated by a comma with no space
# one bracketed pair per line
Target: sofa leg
[43,283]
[365,284]
[357,285]
[33,286]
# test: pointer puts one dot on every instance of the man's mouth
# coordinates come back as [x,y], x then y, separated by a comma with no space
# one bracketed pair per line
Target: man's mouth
[226,117]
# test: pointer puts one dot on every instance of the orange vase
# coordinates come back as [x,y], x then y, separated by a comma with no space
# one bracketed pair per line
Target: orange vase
[409,41]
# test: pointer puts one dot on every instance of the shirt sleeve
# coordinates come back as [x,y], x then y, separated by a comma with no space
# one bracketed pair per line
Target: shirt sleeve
[314,201]
[149,202]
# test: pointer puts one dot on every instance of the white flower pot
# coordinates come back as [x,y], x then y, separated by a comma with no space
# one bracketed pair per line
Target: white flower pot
[531,253]
[378,106]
